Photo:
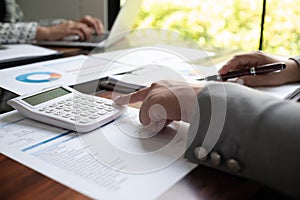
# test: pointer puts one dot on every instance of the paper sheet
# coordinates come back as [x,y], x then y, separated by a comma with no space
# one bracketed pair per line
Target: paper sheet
[13,51]
[156,54]
[280,91]
[65,157]
[66,71]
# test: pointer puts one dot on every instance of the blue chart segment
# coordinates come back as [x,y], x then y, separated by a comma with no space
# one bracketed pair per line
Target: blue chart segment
[38,77]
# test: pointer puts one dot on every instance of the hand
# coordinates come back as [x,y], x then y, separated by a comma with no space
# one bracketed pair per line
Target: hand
[94,23]
[83,28]
[256,58]
[164,102]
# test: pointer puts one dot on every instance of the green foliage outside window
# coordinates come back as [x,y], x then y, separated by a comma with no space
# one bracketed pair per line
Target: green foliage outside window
[231,24]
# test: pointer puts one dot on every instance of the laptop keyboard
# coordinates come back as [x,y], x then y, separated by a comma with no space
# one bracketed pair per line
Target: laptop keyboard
[97,38]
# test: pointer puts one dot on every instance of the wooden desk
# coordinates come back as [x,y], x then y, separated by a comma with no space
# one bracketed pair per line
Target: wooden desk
[70,51]
[20,182]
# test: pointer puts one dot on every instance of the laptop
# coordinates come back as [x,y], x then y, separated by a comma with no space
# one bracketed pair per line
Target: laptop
[122,24]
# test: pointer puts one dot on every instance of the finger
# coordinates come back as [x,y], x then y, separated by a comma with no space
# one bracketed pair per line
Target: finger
[97,25]
[93,23]
[156,126]
[270,79]
[102,29]
[240,61]
[144,113]
[154,112]
[77,32]
[133,97]
[84,29]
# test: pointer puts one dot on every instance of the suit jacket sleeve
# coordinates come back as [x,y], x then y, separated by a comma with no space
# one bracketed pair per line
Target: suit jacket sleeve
[258,136]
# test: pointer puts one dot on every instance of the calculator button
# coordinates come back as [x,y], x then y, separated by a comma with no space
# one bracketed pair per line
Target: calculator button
[92,110]
[108,103]
[60,107]
[76,105]
[109,108]
[84,114]
[74,118]
[102,112]
[84,121]
[43,109]
[77,101]
[59,113]
[100,101]
[76,111]
[100,106]
[61,102]
[83,98]
[66,115]
[68,109]
[91,100]
[85,108]
[53,105]
[49,111]
[94,116]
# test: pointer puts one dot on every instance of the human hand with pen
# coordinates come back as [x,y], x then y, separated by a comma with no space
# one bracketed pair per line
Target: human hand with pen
[163,102]
[289,75]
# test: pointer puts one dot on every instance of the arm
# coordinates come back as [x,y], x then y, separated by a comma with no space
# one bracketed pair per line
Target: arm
[17,32]
[260,138]
[26,32]
[290,75]
[296,59]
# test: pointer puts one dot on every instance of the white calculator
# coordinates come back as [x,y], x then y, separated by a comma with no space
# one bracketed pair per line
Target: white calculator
[67,108]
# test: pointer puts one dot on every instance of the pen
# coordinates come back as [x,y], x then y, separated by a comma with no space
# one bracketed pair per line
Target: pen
[262,69]
[119,86]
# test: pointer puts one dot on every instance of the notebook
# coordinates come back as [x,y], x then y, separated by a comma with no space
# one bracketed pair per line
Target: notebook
[122,24]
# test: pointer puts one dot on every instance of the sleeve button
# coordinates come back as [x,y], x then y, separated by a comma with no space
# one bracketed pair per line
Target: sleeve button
[200,153]
[215,158]
[233,165]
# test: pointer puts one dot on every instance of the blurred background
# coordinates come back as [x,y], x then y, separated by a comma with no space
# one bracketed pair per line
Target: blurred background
[229,24]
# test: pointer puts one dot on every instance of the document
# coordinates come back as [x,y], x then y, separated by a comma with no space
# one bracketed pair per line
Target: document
[280,91]
[74,161]
[155,54]
[79,69]
[14,51]
[66,71]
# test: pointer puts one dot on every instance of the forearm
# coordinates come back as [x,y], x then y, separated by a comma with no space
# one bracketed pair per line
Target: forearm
[17,32]
[260,132]
[50,22]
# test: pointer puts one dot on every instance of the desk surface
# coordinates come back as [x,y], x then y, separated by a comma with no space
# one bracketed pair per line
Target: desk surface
[20,182]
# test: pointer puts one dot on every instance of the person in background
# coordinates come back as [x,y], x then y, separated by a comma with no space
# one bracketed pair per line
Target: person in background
[260,134]
[14,30]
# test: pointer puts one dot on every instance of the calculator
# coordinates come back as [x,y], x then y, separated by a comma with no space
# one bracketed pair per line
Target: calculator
[67,108]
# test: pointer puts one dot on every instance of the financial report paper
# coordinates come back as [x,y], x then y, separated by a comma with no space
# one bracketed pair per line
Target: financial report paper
[64,156]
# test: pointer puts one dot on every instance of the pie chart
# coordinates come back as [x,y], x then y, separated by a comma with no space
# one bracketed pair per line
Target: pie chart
[38,77]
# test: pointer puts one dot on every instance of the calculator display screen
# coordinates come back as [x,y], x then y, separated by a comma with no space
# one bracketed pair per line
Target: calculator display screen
[46,96]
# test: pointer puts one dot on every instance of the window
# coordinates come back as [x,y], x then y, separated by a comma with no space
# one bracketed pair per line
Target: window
[231,24]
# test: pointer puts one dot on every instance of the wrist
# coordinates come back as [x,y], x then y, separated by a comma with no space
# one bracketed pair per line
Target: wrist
[42,33]
[296,59]
[292,71]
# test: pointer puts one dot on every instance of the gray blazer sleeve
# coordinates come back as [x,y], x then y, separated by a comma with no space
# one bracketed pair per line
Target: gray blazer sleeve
[258,136]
